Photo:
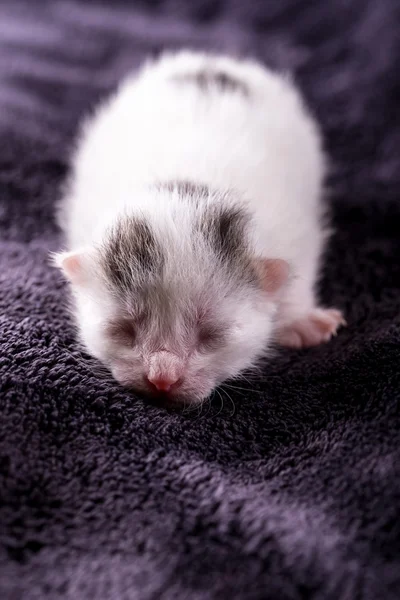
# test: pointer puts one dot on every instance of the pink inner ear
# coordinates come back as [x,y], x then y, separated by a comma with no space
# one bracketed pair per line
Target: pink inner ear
[274,273]
[71,264]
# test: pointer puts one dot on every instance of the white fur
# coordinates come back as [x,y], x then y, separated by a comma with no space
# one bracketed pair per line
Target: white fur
[264,145]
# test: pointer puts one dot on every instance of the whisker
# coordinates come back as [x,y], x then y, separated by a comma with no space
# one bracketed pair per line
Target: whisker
[189,408]
[199,408]
[230,398]
[236,388]
[255,378]
[222,403]
[209,406]
[232,387]
[186,407]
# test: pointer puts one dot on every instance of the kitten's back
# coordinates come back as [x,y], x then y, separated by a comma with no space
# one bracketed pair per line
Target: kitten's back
[202,118]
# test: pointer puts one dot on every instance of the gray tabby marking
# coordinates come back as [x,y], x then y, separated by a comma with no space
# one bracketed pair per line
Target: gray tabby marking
[186,189]
[208,80]
[131,251]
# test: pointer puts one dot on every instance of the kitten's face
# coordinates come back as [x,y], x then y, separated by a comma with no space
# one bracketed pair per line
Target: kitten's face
[180,351]
[175,311]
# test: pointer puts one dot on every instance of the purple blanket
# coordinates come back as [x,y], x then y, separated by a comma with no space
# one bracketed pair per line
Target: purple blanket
[290,489]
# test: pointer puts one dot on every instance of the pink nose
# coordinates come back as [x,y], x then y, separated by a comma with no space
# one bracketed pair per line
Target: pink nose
[162,384]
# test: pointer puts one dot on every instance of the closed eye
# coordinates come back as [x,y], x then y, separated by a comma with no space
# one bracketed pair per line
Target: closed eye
[122,332]
[210,337]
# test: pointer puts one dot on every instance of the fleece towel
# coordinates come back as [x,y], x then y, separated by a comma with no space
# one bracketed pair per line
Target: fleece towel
[287,489]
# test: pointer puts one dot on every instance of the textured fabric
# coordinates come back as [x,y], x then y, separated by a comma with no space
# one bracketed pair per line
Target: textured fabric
[291,488]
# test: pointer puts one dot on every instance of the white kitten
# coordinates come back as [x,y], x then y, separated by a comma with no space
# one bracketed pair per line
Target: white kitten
[195,190]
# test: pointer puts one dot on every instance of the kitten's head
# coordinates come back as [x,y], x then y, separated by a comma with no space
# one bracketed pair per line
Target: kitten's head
[174,302]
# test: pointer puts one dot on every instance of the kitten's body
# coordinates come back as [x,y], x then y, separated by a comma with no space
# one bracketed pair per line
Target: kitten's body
[218,125]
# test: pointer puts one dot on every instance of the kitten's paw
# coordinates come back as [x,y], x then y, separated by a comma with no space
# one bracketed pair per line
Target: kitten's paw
[316,327]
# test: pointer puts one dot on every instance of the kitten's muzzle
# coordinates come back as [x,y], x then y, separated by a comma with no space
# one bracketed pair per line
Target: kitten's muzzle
[165,371]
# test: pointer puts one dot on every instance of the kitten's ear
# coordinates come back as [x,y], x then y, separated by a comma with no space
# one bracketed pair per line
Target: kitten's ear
[73,265]
[273,274]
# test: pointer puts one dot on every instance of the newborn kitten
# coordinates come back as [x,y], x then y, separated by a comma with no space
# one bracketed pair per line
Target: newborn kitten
[193,223]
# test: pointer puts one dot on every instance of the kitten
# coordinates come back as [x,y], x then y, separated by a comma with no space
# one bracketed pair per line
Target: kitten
[193,221]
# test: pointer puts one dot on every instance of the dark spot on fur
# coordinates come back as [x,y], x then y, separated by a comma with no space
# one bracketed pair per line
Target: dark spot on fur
[226,229]
[130,252]
[185,188]
[208,79]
